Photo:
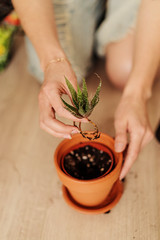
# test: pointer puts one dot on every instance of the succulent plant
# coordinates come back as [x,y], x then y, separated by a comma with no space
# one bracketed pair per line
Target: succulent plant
[82,106]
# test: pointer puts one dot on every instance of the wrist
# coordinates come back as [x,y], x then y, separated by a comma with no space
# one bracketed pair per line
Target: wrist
[51,53]
[138,89]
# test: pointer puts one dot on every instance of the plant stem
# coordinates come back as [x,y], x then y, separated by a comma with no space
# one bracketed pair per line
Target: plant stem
[89,135]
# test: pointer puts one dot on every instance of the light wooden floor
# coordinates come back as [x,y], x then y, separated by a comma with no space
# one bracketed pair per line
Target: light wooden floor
[31,203]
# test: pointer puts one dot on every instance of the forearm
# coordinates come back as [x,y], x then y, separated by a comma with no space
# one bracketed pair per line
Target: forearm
[146,50]
[37,18]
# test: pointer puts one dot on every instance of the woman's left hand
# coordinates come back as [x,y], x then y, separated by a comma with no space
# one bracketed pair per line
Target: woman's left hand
[131,117]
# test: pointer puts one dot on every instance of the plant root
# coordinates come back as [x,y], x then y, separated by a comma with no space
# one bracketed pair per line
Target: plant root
[89,135]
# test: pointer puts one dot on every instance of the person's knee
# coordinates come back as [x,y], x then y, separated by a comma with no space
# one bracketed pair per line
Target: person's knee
[118,71]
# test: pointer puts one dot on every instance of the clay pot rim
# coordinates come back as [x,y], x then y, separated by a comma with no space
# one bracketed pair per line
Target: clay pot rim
[90,181]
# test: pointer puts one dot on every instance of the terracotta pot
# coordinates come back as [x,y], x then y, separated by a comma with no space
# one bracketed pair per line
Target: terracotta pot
[93,144]
[88,192]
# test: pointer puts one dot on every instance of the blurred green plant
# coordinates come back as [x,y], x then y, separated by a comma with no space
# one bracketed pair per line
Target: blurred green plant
[8,28]
[5,42]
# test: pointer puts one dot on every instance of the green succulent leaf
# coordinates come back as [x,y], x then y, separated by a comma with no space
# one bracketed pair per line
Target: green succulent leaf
[73,92]
[84,88]
[69,106]
[82,107]
[77,115]
[95,99]
[79,96]
[81,111]
[85,95]
[88,113]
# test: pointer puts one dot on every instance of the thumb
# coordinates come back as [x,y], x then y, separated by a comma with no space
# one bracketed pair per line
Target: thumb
[120,138]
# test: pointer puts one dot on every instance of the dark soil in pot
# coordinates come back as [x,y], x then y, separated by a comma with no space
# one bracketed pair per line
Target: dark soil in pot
[87,162]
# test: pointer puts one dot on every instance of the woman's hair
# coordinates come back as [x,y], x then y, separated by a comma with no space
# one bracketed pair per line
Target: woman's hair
[5,8]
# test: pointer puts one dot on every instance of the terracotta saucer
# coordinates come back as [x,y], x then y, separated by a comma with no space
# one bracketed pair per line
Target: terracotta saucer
[106,206]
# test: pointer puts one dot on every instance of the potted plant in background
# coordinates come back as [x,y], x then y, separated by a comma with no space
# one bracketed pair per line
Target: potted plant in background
[87,165]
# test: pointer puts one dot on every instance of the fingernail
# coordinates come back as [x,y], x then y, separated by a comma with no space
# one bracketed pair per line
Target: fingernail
[67,136]
[75,131]
[121,176]
[119,147]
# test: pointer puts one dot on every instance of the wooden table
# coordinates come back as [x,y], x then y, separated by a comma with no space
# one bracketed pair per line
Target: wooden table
[31,203]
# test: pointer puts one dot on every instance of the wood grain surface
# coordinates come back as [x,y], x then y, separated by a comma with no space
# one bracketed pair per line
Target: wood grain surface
[31,203]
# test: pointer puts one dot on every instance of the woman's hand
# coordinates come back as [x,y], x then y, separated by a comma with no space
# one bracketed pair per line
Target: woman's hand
[39,24]
[50,102]
[131,116]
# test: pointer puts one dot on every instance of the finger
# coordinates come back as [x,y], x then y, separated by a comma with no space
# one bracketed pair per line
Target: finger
[58,126]
[147,137]
[121,136]
[55,134]
[47,119]
[133,150]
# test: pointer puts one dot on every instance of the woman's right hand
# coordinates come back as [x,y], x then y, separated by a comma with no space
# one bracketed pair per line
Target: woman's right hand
[50,103]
